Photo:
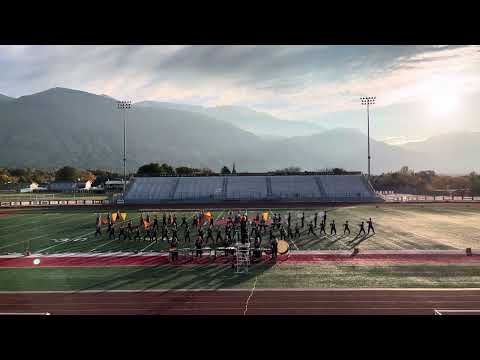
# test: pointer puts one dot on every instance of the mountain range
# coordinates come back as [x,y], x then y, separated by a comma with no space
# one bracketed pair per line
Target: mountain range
[62,126]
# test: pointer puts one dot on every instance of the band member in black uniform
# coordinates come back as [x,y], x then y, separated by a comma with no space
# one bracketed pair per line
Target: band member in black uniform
[184,221]
[219,238]
[164,220]
[310,229]
[155,223]
[122,233]
[283,234]
[322,228]
[173,248]
[303,219]
[333,229]
[289,232]
[289,219]
[111,232]
[129,229]
[137,233]
[274,248]
[209,234]
[174,234]
[362,228]
[98,229]
[346,228]
[187,234]
[198,246]
[164,233]
[297,231]
[315,220]
[370,226]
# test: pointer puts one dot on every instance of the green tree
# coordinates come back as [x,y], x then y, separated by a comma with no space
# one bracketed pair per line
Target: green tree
[184,170]
[67,173]
[225,170]
[154,169]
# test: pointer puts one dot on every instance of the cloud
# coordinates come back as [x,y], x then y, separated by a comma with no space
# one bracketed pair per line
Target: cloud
[295,82]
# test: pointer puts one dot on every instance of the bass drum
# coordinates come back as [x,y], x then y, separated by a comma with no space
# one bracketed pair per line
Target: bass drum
[282,247]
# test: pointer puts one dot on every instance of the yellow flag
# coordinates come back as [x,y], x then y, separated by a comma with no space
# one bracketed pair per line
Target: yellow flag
[114,217]
[265,216]
[123,216]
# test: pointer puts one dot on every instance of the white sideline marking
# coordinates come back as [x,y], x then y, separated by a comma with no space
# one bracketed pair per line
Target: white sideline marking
[47,313]
[453,311]
[251,294]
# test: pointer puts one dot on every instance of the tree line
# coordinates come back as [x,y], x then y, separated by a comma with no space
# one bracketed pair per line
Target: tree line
[426,182]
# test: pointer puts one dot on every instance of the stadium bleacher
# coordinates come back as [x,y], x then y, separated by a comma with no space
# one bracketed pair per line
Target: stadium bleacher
[338,188]
[294,187]
[199,188]
[246,188]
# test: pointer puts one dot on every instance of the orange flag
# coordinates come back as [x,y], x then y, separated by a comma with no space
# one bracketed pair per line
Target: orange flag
[114,217]
[123,216]
[265,216]
[146,224]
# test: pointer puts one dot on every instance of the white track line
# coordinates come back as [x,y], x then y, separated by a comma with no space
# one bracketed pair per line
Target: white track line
[251,294]
[237,289]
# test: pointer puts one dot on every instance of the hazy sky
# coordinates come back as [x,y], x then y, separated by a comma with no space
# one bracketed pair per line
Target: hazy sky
[421,90]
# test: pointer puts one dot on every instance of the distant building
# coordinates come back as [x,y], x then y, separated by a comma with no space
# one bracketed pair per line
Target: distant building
[32,186]
[114,185]
[84,186]
[62,186]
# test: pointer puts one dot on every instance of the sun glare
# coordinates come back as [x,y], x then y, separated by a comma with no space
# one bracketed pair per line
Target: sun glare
[443,103]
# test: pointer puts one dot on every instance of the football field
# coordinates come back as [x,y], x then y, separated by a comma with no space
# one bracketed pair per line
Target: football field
[398,227]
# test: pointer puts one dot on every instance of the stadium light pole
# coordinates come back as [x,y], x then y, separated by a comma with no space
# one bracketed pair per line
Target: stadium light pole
[368,100]
[123,106]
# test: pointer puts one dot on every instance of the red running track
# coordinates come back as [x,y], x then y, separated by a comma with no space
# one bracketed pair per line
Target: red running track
[243,302]
[314,258]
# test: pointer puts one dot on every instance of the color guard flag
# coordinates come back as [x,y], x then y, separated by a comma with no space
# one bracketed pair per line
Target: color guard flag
[207,216]
[114,217]
[123,216]
[146,224]
[265,216]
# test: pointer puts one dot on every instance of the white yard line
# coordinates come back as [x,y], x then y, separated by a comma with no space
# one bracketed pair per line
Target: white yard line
[33,238]
[61,243]
[98,247]
[249,297]
[28,224]
[146,247]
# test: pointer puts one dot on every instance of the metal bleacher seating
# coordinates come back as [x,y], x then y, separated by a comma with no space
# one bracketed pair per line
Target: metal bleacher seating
[247,188]
[294,187]
[346,188]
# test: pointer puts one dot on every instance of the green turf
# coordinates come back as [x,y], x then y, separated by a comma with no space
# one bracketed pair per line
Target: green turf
[215,277]
[429,226]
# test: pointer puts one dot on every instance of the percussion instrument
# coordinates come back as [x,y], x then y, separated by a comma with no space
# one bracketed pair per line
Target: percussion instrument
[282,247]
